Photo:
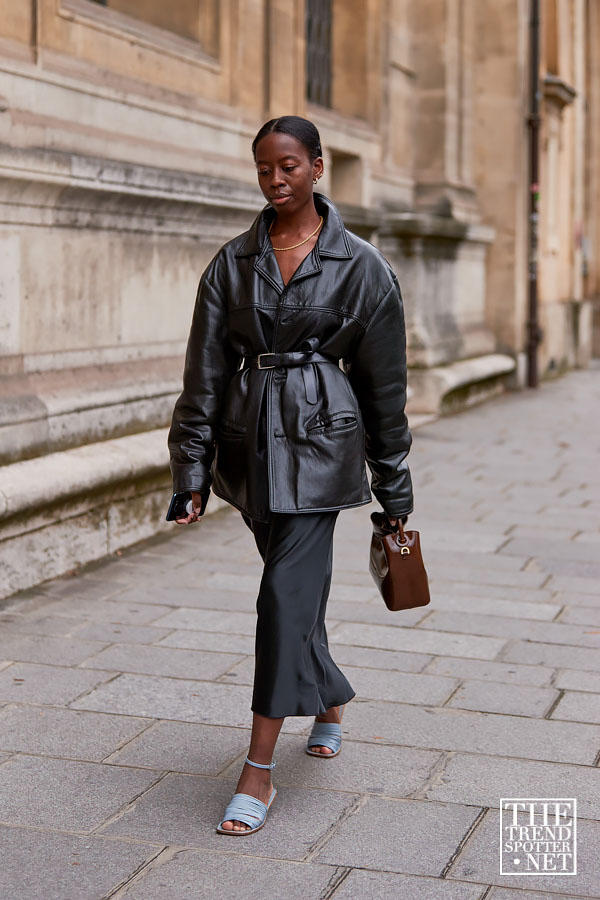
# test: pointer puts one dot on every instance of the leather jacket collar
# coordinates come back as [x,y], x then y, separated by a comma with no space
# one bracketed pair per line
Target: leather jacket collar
[333,240]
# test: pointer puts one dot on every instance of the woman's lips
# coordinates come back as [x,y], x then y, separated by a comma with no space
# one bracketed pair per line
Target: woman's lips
[280,200]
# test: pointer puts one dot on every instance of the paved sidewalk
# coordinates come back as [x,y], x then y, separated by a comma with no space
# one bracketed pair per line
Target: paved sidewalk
[124,693]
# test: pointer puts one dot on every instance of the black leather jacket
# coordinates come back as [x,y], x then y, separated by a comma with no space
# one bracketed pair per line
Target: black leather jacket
[295,439]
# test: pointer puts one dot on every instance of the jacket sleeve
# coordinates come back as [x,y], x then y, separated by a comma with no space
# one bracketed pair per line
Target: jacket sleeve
[210,364]
[377,373]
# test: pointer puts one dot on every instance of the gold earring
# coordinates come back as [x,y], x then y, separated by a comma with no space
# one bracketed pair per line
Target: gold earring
[315,180]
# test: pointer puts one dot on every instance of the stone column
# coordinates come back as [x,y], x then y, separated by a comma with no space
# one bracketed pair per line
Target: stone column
[443,35]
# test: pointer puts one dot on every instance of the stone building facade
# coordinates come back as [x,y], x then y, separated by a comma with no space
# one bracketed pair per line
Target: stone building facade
[125,162]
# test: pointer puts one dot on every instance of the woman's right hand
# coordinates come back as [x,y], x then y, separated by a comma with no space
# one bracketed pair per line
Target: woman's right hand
[196,510]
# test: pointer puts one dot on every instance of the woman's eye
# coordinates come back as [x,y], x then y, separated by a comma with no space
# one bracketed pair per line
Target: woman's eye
[263,173]
[289,168]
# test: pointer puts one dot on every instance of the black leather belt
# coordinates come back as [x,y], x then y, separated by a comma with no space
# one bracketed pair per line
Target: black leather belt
[294,358]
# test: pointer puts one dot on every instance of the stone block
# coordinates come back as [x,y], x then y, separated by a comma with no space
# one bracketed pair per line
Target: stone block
[392,660]
[577,680]
[175,663]
[442,573]
[527,629]
[582,615]
[534,653]
[405,844]
[569,586]
[108,610]
[193,598]
[185,809]
[516,700]
[177,699]
[53,626]
[389,886]
[181,747]
[54,685]
[578,706]
[360,767]
[38,792]
[502,592]
[36,648]
[479,862]
[44,864]
[209,640]
[482,780]
[483,605]
[193,874]
[420,640]
[110,633]
[485,670]
[65,732]
[209,620]
[453,729]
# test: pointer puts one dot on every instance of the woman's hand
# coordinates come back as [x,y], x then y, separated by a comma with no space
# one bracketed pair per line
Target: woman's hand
[195,513]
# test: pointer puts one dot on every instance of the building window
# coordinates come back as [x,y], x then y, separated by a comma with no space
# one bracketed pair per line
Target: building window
[185,18]
[318,51]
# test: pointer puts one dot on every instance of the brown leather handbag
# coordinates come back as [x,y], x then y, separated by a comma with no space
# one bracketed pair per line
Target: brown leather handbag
[397,566]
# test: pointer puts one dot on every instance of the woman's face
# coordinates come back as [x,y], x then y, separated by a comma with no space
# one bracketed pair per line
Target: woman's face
[286,171]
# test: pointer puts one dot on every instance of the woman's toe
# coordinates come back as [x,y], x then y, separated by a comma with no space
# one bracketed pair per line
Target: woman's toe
[228,826]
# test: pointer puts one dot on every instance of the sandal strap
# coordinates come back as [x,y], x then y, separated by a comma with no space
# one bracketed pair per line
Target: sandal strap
[270,765]
[247,809]
[326,734]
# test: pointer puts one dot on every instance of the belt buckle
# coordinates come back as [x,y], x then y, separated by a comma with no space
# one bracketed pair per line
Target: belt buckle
[258,364]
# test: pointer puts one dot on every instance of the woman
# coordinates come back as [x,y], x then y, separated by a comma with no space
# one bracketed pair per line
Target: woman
[275,426]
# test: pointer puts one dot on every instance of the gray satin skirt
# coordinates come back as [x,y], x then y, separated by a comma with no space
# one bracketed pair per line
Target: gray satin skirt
[294,673]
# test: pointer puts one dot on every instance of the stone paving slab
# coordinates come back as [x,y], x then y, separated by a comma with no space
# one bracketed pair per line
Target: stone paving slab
[42,865]
[369,768]
[191,874]
[577,680]
[516,700]
[183,747]
[405,844]
[65,732]
[184,810]
[36,623]
[534,653]
[578,706]
[479,862]
[210,640]
[122,634]
[454,729]
[192,664]
[422,640]
[65,794]
[107,610]
[487,670]
[35,648]
[482,780]
[525,629]
[176,698]
[518,609]
[54,685]
[387,886]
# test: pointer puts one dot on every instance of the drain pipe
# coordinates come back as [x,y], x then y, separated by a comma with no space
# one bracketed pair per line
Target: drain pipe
[534,334]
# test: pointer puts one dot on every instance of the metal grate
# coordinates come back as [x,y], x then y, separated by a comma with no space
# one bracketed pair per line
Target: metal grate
[318,51]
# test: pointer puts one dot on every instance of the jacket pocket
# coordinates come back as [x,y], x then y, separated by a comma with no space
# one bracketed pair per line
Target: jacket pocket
[334,423]
[230,430]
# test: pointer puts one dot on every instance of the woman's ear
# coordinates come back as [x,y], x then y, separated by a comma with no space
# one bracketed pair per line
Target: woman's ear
[318,168]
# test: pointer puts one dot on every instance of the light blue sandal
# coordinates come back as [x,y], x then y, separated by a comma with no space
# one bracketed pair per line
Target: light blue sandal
[326,734]
[247,809]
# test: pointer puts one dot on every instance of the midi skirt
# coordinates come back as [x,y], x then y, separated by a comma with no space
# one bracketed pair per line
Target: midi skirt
[294,673]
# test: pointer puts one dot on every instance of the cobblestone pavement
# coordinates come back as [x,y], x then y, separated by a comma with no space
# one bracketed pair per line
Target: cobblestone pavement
[124,693]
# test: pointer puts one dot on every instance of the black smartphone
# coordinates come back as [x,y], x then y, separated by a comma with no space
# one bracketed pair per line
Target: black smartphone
[178,503]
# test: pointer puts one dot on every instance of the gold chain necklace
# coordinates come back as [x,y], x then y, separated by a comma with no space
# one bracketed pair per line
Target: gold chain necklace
[301,242]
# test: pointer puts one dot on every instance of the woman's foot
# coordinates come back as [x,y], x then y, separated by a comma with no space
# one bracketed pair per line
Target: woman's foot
[257,783]
[332,715]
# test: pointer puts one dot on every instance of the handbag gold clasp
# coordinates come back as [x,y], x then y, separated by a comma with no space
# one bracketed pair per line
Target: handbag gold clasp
[405,551]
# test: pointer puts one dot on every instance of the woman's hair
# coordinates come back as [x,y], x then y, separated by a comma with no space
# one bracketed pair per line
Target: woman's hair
[299,128]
